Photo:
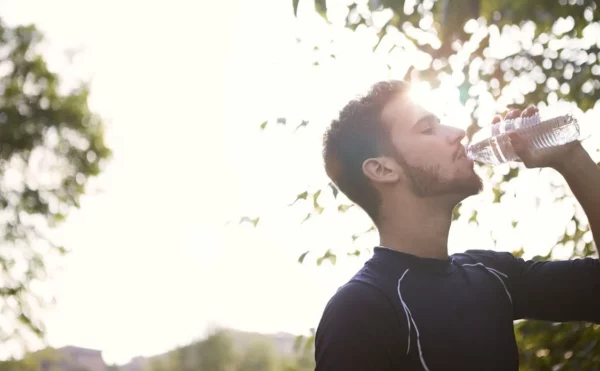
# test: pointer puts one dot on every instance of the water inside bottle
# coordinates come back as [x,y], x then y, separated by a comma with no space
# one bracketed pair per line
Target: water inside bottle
[497,149]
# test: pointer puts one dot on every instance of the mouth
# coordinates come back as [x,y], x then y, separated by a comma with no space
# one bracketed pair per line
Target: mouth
[460,153]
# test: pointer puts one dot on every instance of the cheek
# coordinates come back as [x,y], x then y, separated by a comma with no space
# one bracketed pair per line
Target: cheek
[428,154]
[463,170]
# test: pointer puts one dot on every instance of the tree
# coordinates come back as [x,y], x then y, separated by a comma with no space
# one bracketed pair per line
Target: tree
[42,360]
[166,362]
[260,356]
[157,364]
[216,353]
[18,365]
[511,53]
[304,357]
[50,145]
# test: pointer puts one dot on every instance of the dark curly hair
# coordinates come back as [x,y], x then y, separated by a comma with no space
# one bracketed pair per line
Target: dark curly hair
[355,136]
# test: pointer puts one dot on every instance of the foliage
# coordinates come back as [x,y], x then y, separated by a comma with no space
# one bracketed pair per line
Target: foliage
[231,350]
[216,353]
[44,360]
[50,145]
[222,350]
[511,52]
[19,365]
[260,356]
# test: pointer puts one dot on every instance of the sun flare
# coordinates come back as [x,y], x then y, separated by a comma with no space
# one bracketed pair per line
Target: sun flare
[443,101]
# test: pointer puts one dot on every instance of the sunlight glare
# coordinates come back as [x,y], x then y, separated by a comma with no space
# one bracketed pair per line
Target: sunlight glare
[444,102]
[421,94]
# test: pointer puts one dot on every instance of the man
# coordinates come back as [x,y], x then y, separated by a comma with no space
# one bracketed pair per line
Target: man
[413,307]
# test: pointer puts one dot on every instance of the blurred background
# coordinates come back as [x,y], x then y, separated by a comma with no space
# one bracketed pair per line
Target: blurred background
[164,204]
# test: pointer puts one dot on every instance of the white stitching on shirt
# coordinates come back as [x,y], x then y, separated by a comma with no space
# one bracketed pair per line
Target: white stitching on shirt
[405,310]
[503,285]
[495,273]
[410,319]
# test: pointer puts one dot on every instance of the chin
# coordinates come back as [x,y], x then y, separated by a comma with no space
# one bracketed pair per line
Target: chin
[469,187]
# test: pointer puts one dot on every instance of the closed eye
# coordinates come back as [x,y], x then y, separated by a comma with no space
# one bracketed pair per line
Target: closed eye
[427,125]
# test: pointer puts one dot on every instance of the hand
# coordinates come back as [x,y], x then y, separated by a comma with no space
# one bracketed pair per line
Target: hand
[554,157]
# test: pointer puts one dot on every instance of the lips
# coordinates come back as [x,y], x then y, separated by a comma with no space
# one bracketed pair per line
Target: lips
[460,153]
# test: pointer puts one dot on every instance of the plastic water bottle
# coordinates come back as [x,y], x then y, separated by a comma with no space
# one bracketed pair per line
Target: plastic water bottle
[496,148]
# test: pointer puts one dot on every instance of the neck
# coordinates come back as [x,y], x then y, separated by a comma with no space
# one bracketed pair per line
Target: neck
[415,226]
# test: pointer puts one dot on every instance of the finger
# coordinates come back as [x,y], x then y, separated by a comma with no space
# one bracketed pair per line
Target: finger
[516,141]
[519,146]
[513,114]
[496,119]
[529,111]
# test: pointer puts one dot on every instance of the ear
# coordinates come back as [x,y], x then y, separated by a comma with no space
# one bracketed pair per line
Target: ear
[381,170]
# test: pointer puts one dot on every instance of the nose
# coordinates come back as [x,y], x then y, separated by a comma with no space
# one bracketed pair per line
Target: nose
[455,135]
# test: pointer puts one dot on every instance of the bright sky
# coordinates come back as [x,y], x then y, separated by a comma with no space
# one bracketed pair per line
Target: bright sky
[184,87]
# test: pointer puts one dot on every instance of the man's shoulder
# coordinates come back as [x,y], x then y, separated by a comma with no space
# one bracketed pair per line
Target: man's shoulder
[482,256]
[357,303]
[359,298]
[357,291]
[359,329]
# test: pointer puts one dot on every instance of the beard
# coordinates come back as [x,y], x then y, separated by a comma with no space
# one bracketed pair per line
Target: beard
[427,182]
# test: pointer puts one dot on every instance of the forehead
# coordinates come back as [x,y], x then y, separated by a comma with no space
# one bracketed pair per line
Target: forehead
[401,113]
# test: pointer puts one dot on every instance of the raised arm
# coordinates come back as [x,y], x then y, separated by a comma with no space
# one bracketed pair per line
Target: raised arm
[558,291]
[563,290]
[576,166]
[583,176]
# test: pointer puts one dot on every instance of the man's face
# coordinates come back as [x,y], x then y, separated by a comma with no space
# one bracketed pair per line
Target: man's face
[430,154]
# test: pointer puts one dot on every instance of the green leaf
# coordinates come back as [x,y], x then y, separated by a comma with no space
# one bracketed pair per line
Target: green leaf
[321,8]
[456,212]
[518,253]
[295,6]
[512,173]
[301,196]
[343,208]
[302,257]
[357,236]
[246,219]
[354,253]
[263,125]
[497,194]
[304,123]
[316,198]
[334,189]
[306,218]
[327,256]
[473,217]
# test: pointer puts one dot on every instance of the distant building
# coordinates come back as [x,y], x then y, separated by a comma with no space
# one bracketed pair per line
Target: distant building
[91,359]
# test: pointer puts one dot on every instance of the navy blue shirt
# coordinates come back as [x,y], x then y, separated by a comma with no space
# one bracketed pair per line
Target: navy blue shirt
[402,312]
